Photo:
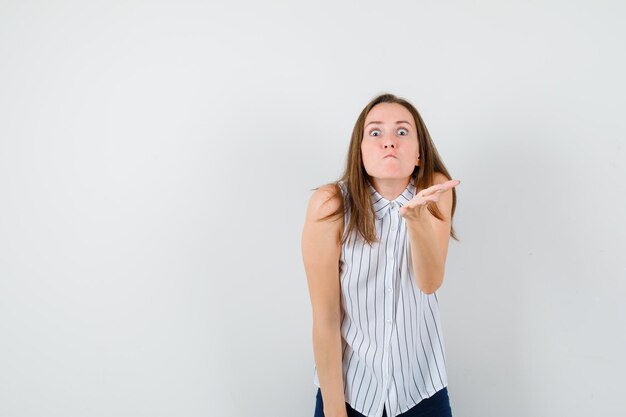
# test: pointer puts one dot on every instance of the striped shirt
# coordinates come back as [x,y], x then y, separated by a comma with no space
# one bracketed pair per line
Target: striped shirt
[393,351]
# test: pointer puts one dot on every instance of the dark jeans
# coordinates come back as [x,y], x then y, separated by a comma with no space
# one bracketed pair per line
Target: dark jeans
[436,406]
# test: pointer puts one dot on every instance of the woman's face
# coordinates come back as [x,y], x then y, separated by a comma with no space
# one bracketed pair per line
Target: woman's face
[389,147]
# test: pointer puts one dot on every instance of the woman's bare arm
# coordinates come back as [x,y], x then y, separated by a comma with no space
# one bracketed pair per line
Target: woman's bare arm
[428,235]
[321,249]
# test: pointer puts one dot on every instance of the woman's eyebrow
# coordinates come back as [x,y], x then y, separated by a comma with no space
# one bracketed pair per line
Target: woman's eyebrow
[398,122]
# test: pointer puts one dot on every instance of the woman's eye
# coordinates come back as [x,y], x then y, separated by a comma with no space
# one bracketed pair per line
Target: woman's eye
[406,132]
[374,130]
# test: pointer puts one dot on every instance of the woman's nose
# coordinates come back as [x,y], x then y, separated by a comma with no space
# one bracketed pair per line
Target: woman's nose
[389,143]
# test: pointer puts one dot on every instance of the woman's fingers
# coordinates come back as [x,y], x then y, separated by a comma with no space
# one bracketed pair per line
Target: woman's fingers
[432,193]
[448,185]
[440,188]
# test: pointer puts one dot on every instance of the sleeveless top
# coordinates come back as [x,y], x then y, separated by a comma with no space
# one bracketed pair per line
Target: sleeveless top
[392,341]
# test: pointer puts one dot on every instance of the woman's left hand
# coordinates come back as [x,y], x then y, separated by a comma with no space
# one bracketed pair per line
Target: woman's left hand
[413,209]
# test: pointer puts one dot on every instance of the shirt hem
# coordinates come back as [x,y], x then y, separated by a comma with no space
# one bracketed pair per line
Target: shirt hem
[404,410]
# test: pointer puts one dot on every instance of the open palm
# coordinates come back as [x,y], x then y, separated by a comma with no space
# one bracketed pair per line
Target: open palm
[413,208]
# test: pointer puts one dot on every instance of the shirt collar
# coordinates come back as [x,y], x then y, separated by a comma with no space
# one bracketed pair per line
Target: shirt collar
[382,205]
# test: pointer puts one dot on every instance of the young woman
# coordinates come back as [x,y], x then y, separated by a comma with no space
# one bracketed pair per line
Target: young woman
[374,247]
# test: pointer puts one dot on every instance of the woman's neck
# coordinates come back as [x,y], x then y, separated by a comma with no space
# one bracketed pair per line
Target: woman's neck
[390,188]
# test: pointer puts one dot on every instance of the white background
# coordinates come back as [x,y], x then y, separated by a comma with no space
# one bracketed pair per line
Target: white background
[156,159]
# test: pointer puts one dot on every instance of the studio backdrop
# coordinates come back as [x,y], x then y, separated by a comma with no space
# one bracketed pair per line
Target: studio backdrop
[156,160]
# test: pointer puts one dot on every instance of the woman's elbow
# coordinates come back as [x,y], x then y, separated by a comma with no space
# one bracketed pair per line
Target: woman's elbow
[432,285]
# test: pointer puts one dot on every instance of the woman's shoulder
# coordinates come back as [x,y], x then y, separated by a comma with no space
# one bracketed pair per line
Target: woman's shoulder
[439,177]
[325,200]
